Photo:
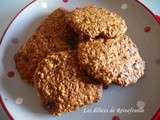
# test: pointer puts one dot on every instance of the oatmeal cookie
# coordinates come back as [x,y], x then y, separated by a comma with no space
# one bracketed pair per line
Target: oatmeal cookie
[62,86]
[91,22]
[52,35]
[112,61]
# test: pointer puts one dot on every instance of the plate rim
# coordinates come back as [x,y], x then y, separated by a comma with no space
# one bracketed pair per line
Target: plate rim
[2,103]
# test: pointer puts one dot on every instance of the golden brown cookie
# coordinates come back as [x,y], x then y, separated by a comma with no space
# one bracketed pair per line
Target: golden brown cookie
[91,22]
[62,86]
[52,35]
[112,61]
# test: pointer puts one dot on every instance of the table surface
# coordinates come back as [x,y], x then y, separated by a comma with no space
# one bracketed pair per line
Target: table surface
[9,8]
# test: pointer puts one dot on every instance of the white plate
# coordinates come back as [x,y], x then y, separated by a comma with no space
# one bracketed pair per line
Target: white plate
[136,102]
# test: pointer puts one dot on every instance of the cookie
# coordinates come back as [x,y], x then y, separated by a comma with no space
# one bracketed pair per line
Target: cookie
[112,60]
[62,86]
[52,35]
[92,22]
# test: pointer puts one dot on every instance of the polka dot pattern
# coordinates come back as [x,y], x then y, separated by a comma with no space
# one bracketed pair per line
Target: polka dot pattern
[115,118]
[65,1]
[19,101]
[124,6]
[44,5]
[147,29]
[11,74]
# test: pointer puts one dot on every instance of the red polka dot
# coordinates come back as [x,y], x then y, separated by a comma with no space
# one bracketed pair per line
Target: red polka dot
[11,74]
[115,118]
[65,1]
[147,29]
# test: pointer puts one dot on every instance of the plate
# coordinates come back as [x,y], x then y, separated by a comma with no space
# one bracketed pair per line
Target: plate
[136,102]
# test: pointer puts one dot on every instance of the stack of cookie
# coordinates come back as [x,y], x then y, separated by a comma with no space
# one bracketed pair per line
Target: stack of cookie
[104,51]
[72,55]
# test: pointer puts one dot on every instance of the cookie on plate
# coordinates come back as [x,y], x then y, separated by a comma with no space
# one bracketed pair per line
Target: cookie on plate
[92,22]
[112,60]
[52,35]
[62,86]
